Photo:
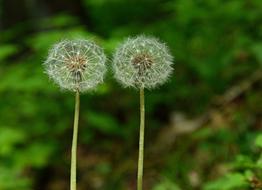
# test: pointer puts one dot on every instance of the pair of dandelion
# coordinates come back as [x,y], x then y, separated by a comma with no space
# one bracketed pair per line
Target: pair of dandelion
[80,65]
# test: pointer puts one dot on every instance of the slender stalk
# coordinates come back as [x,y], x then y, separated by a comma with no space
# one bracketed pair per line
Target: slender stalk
[74,144]
[141,141]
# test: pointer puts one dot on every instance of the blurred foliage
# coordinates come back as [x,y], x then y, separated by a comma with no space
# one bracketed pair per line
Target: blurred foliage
[216,44]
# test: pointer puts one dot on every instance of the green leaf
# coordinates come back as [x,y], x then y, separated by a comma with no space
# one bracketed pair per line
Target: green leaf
[103,122]
[12,179]
[58,21]
[257,49]
[231,181]
[166,184]
[259,162]
[258,141]
[7,50]
[36,155]
[8,139]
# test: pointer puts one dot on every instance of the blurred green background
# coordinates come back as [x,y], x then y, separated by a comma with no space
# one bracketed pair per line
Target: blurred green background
[203,128]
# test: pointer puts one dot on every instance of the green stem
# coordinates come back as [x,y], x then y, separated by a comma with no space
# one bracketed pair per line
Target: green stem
[74,144]
[141,141]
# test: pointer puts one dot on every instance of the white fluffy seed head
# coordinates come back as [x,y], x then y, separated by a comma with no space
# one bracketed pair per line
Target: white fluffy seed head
[142,62]
[76,65]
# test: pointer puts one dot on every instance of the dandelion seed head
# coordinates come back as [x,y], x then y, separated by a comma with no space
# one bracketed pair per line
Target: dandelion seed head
[142,62]
[76,65]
